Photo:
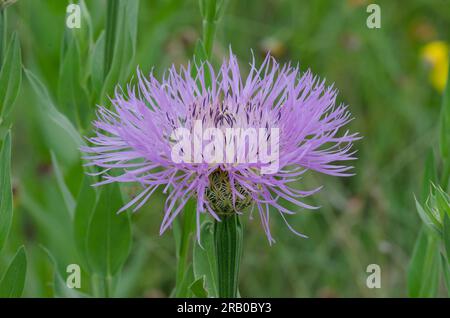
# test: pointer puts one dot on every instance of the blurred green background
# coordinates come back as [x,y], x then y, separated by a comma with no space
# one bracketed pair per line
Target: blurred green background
[382,74]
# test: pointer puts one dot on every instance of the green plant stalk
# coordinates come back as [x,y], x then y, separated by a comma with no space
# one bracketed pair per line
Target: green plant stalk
[228,238]
[183,256]
[183,260]
[209,27]
[95,285]
[101,286]
[107,284]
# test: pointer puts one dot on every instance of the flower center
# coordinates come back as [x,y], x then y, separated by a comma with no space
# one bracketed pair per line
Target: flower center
[220,197]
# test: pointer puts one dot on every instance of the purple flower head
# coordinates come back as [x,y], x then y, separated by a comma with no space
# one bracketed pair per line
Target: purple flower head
[136,138]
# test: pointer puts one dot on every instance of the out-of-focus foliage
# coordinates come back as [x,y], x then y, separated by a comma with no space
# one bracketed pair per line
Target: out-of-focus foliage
[425,267]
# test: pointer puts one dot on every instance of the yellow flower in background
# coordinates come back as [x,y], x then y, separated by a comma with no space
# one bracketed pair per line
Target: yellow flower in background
[436,55]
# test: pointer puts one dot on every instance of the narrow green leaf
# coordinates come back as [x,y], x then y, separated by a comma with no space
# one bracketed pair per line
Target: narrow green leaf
[72,95]
[432,269]
[204,259]
[6,199]
[444,140]
[220,8]
[202,6]
[428,218]
[183,290]
[423,272]
[82,37]
[198,288]
[12,283]
[49,108]
[84,34]
[65,192]
[131,275]
[200,56]
[177,234]
[97,64]
[58,284]
[84,209]
[415,270]
[429,175]
[442,200]
[446,271]
[3,33]
[111,27]
[209,10]
[10,76]
[51,226]
[199,52]
[132,11]
[446,235]
[124,47]
[109,233]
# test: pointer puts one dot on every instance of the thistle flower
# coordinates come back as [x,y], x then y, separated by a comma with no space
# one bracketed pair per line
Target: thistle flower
[135,137]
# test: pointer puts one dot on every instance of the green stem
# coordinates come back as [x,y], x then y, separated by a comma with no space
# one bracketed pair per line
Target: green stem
[95,283]
[209,26]
[228,248]
[107,283]
[101,286]
[183,256]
